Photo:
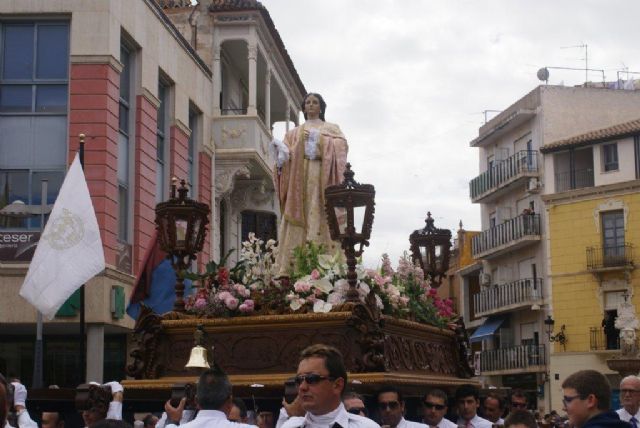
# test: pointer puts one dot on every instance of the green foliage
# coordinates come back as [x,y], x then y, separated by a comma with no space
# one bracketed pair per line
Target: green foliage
[306,259]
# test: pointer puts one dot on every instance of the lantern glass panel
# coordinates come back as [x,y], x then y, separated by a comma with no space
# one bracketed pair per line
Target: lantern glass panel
[195,232]
[341,216]
[181,232]
[424,255]
[358,218]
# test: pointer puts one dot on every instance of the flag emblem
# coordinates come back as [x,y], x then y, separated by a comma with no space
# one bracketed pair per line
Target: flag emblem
[67,230]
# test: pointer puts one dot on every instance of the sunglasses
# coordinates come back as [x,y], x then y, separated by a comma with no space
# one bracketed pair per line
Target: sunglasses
[391,405]
[311,379]
[357,410]
[430,405]
[519,405]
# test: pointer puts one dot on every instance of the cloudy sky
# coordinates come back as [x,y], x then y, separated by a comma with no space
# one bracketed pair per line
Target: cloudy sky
[408,82]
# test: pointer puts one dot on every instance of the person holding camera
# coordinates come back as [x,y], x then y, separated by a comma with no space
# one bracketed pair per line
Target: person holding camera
[13,398]
[104,402]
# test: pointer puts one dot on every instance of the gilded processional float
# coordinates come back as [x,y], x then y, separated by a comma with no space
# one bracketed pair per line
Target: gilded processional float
[254,318]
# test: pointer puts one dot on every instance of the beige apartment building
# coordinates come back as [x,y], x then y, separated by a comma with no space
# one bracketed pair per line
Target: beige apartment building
[509,310]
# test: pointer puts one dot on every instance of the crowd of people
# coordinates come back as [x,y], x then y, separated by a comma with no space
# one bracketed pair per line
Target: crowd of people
[322,401]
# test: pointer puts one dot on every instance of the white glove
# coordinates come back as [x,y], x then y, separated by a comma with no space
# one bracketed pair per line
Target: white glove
[115,386]
[19,394]
[280,151]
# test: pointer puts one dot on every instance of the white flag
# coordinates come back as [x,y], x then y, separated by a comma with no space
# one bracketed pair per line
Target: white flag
[69,252]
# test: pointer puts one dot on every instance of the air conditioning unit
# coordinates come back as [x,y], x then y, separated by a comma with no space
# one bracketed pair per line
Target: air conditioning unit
[533,185]
[485,279]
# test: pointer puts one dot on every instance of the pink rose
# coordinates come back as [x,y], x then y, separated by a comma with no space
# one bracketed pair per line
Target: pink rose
[224,295]
[315,274]
[231,303]
[302,287]
[200,303]
[311,299]
[247,306]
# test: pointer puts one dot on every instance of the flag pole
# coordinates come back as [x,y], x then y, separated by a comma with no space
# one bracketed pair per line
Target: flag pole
[37,367]
[83,351]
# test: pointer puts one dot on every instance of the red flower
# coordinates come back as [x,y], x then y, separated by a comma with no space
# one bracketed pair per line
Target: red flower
[223,276]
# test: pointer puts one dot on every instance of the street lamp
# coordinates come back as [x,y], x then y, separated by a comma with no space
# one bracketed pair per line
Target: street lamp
[181,224]
[356,202]
[431,248]
[561,337]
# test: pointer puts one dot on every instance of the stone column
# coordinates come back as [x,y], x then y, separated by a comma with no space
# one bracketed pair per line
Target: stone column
[267,99]
[95,353]
[217,81]
[288,115]
[253,78]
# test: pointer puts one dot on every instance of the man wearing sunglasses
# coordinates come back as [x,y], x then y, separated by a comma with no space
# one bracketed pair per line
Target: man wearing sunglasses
[391,409]
[321,379]
[434,407]
[354,403]
[586,399]
[630,399]
[518,401]
[467,402]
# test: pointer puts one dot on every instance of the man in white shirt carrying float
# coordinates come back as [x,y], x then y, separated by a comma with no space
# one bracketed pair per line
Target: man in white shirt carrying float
[434,407]
[467,401]
[214,402]
[391,408]
[321,379]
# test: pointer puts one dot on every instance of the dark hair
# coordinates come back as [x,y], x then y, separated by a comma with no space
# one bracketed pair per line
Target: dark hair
[239,403]
[467,390]
[587,382]
[521,417]
[390,388]
[214,389]
[4,400]
[98,401]
[333,361]
[435,392]
[520,394]
[498,397]
[323,105]
[148,419]
[111,423]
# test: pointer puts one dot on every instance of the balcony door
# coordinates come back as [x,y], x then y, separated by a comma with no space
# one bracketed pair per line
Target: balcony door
[613,237]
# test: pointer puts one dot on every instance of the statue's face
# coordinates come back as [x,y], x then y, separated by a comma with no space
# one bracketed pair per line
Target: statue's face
[312,107]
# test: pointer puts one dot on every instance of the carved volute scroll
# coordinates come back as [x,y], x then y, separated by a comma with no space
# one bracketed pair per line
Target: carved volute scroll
[147,333]
[366,320]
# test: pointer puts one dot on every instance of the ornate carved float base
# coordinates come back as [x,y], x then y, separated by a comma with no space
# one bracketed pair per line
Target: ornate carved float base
[264,350]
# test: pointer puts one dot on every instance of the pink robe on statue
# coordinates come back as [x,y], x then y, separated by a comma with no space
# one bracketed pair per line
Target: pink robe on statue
[301,184]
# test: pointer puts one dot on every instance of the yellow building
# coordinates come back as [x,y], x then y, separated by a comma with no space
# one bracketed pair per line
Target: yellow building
[593,214]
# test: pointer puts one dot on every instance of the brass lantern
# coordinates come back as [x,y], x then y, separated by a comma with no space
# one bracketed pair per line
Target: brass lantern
[431,248]
[181,224]
[349,207]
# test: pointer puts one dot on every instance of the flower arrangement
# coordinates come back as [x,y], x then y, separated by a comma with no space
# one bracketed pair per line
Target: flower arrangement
[317,283]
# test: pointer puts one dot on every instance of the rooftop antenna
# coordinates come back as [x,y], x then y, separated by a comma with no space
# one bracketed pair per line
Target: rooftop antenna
[586,58]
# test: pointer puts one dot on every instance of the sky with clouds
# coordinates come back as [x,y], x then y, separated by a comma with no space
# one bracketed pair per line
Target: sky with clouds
[408,82]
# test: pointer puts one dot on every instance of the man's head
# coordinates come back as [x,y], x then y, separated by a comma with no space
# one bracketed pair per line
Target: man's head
[265,420]
[467,401]
[97,405]
[4,402]
[238,412]
[150,421]
[586,394]
[520,419]
[354,403]
[214,392]
[434,406]
[493,407]
[52,420]
[518,400]
[390,406]
[630,394]
[321,378]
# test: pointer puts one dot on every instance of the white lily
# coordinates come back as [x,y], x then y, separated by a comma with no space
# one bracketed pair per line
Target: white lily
[322,306]
[323,284]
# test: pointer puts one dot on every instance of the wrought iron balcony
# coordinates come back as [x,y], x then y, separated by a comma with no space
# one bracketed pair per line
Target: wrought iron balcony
[610,257]
[513,233]
[531,358]
[507,297]
[504,173]
[598,340]
[576,179]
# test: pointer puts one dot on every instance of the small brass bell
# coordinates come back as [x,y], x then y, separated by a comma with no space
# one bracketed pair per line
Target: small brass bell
[198,358]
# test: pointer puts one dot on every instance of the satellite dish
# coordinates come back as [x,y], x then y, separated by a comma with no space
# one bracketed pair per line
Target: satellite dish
[543,74]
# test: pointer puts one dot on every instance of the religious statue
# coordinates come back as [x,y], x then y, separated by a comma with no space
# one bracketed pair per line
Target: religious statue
[311,158]
[627,322]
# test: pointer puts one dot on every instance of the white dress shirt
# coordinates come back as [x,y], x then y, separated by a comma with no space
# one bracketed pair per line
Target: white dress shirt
[444,423]
[626,416]
[24,421]
[284,417]
[500,421]
[211,418]
[409,424]
[343,418]
[476,422]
